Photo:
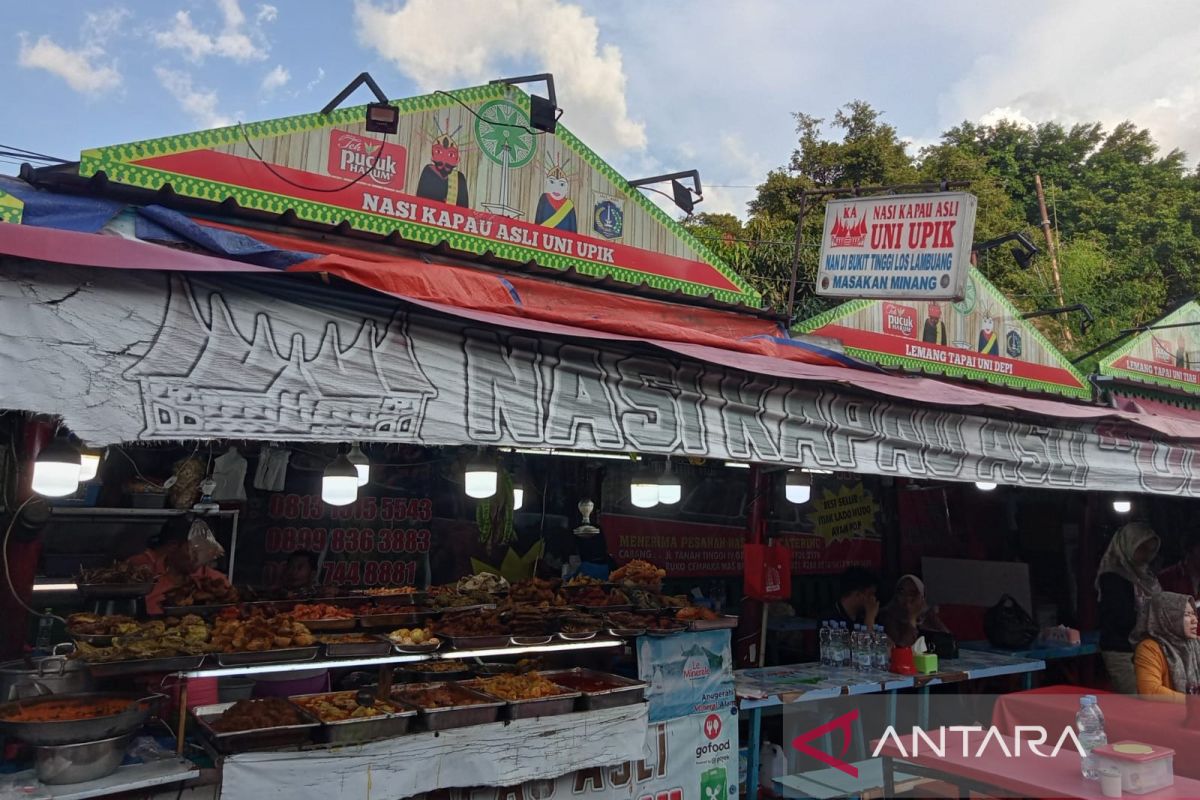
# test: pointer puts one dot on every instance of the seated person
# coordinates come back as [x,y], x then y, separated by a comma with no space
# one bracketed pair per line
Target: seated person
[1167,659]
[180,563]
[299,577]
[856,603]
[907,613]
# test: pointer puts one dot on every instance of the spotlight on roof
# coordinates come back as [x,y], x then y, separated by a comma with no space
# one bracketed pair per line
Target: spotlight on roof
[543,112]
[680,194]
[382,117]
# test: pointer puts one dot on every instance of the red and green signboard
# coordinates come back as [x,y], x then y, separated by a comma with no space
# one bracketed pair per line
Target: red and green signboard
[11,209]
[463,170]
[979,338]
[1167,357]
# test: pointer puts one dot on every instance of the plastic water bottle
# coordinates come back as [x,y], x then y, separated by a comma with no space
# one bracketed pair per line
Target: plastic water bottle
[865,658]
[826,645]
[45,632]
[883,650]
[1096,705]
[844,644]
[855,644]
[1090,727]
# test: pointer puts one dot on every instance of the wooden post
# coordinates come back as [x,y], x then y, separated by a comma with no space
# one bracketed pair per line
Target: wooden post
[1051,249]
[181,731]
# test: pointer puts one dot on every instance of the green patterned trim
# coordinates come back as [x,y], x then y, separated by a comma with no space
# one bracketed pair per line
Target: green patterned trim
[116,163]
[1189,402]
[969,373]
[1141,377]
[833,315]
[12,209]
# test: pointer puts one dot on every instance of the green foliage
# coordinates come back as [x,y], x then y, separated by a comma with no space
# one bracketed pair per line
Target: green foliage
[1127,216]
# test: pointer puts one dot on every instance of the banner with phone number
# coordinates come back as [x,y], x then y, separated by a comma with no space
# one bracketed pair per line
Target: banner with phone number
[375,541]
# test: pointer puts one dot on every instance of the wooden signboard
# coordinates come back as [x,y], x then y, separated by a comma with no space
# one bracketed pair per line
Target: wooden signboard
[1167,356]
[979,338]
[464,169]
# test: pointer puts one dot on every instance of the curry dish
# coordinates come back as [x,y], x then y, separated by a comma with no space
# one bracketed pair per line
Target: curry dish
[65,710]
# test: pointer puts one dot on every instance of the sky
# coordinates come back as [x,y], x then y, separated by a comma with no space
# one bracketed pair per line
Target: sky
[651,86]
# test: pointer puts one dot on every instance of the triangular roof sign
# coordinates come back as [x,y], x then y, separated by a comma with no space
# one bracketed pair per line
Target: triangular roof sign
[979,338]
[463,170]
[1167,356]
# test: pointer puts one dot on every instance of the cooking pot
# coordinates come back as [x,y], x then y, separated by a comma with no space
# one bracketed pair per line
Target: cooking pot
[133,711]
[55,674]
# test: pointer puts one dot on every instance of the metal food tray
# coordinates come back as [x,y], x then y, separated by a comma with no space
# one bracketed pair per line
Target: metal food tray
[539,707]
[94,639]
[441,719]
[606,609]
[623,691]
[114,591]
[255,738]
[249,657]
[112,669]
[406,619]
[578,636]
[462,609]
[627,633]
[336,649]
[424,676]
[668,631]
[414,649]
[474,642]
[328,625]
[531,641]
[355,731]
[199,611]
[412,598]
[722,623]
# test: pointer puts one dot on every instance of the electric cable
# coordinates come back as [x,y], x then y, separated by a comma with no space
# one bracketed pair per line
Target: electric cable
[12,523]
[290,182]
[475,114]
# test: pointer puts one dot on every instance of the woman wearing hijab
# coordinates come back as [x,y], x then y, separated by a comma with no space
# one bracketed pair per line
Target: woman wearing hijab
[907,613]
[1125,584]
[1167,660]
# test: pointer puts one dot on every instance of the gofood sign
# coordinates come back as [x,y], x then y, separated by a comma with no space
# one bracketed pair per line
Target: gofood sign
[897,247]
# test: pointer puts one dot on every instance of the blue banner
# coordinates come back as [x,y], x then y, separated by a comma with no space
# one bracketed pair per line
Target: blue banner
[687,673]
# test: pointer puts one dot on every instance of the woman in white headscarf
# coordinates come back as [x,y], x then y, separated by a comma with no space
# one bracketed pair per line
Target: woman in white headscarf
[1125,583]
[907,613]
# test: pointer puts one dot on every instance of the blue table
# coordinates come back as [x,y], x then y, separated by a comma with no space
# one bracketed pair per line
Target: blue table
[1089,645]
[769,687]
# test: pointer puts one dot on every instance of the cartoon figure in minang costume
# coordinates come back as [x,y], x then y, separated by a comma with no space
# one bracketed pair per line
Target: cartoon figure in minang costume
[989,343]
[935,329]
[441,179]
[554,208]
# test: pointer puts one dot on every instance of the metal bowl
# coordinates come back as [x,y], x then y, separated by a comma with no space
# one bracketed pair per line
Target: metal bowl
[76,763]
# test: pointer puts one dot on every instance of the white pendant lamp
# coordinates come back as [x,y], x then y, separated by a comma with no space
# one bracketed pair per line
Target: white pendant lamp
[339,485]
[984,486]
[670,490]
[1122,505]
[518,494]
[361,463]
[89,464]
[643,489]
[479,478]
[798,486]
[56,470]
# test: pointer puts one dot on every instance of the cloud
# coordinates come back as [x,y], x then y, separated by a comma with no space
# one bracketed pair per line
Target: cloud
[1080,61]
[234,41]
[488,37]
[276,79]
[86,68]
[200,104]
[308,87]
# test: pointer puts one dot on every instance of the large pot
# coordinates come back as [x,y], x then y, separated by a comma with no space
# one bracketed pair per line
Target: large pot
[76,763]
[54,674]
[130,713]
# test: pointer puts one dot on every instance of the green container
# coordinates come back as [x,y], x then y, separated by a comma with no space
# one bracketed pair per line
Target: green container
[925,663]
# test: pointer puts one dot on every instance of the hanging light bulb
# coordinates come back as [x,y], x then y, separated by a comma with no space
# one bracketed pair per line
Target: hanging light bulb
[670,490]
[361,463]
[984,486]
[89,464]
[56,470]
[643,489]
[1122,505]
[339,485]
[479,478]
[518,494]
[798,486]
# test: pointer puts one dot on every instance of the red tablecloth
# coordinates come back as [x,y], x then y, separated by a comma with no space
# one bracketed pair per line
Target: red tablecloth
[1125,718]
[1027,776]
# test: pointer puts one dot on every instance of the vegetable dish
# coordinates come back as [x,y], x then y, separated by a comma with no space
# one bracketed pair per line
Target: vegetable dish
[529,686]
[249,715]
[341,706]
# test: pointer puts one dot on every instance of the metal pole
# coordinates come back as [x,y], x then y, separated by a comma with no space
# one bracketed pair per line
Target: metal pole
[791,303]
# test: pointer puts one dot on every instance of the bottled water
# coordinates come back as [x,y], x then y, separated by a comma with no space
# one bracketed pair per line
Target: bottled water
[883,650]
[1096,705]
[1090,727]
[864,658]
[826,645]
[844,644]
[855,645]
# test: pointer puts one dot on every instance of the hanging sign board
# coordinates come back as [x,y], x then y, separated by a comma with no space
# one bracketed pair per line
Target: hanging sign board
[981,337]
[914,247]
[1167,356]
[464,170]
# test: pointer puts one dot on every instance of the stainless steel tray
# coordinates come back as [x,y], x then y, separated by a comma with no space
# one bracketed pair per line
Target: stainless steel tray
[287,654]
[627,633]
[111,669]
[577,637]
[336,649]
[540,707]
[414,649]
[354,731]
[623,691]
[441,719]
[402,619]
[328,625]
[114,591]
[606,609]
[94,639]
[474,642]
[199,611]
[669,631]
[530,641]
[256,738]
[713,624]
